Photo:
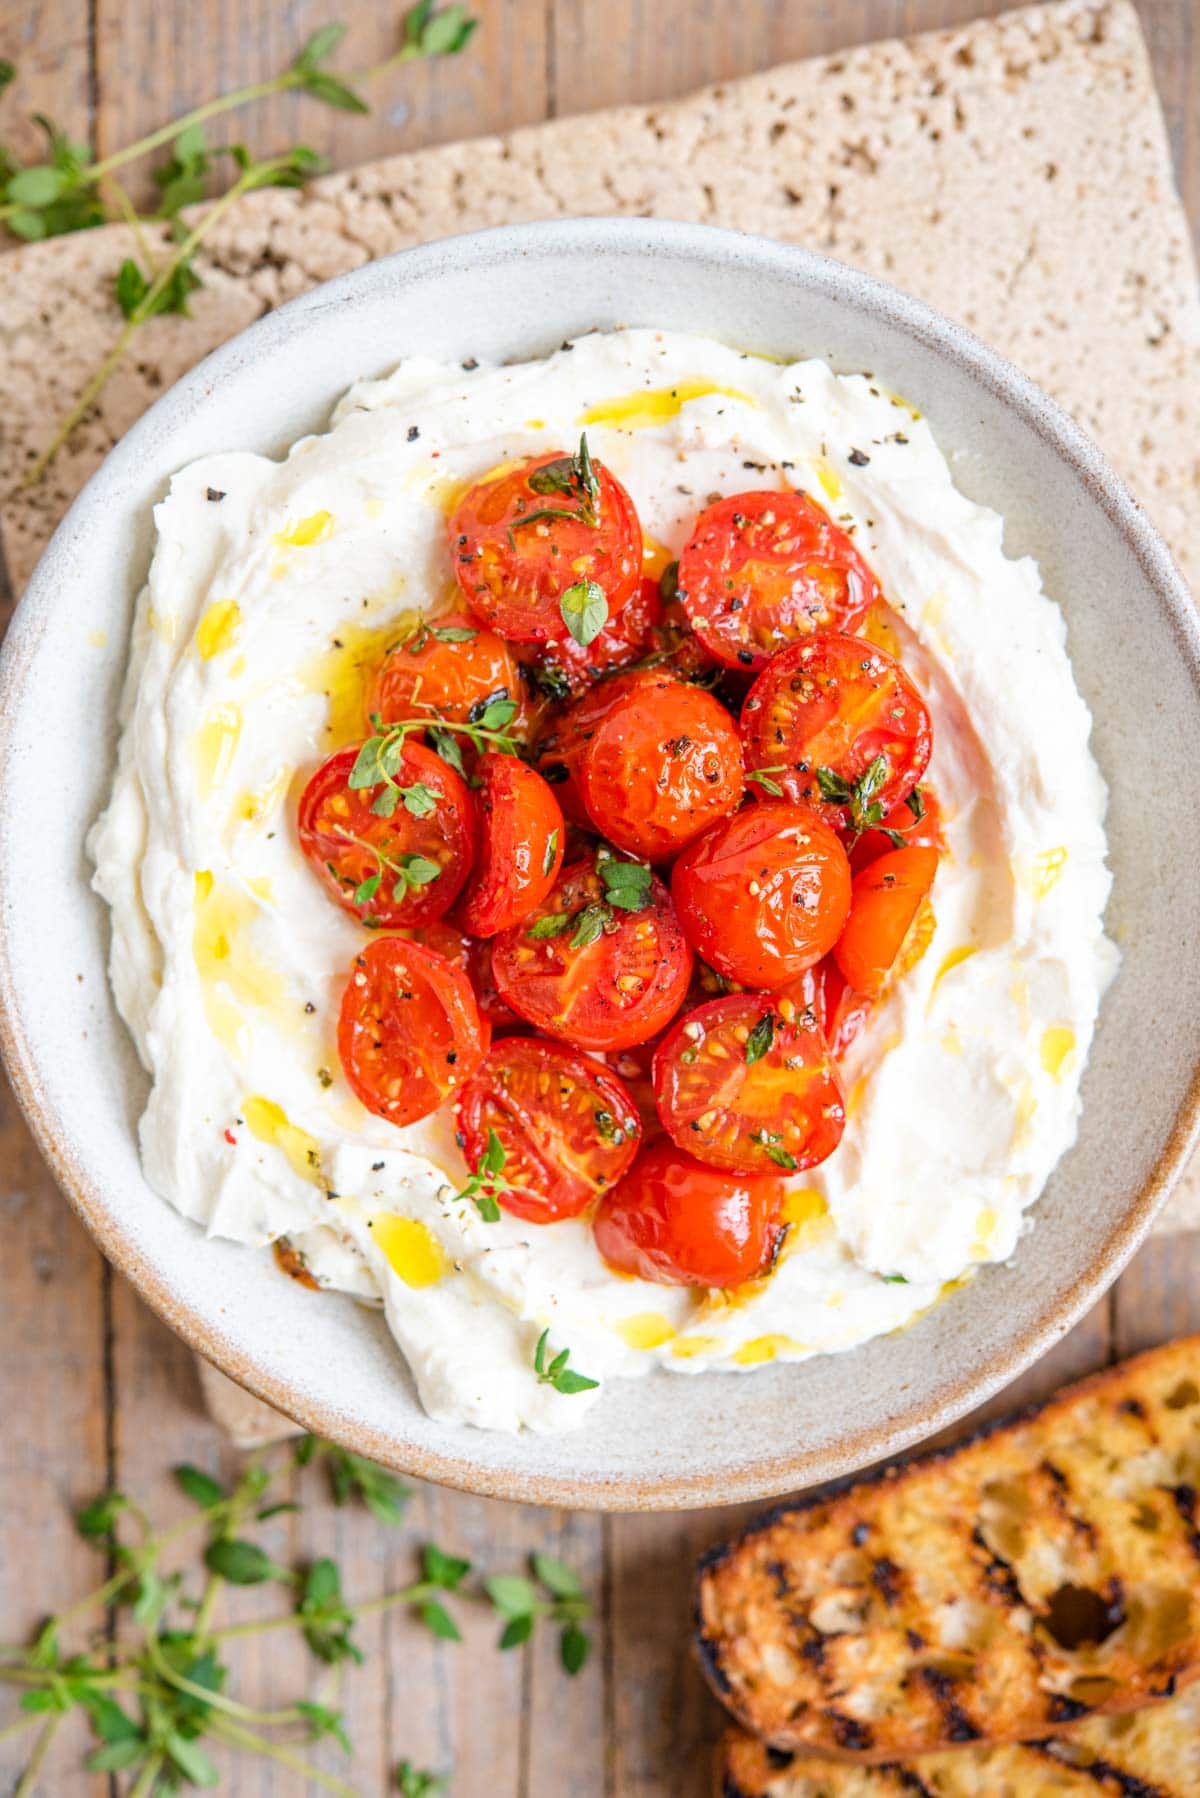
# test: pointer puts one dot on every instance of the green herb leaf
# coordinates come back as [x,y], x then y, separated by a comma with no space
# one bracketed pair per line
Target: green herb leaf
[385,801]
[916,803]
[366,890]
[416,1782]
[446,744]
[419,799]
[553,923]
[454,633]
[319,47]
[859,795]
[511,1594]
[584,608]
[444,33]
[551,852]
[771,1143]
[241,1563]
[324,1722]
[442,1569]
[894,1279]
[191,1759]
[114,1757]
[759,1041]
[497,714]
[353,1476]
[98,1519]
[556,1576]
[438,1619]
[131,287]
[563,1378]
[36,187]
[8,73]
[515,1632]
[590,925]
[493,1156]
[627,885]
[322,86]
[763,777]
[419,871]
[833,787]
[574,1647]
[366,771]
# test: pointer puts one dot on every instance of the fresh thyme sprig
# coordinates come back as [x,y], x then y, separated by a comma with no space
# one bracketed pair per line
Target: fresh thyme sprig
[763,776]
[627,887]
[486,1184]
[408,871]
[70,190]
[156,1696]
[866,811]
[557,1373]
[382,755]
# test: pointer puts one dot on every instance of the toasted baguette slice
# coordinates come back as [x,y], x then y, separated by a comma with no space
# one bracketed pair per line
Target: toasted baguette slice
[994,1591]
[1145,1754]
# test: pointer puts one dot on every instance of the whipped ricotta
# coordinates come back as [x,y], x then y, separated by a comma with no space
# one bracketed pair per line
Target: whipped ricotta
[276,586]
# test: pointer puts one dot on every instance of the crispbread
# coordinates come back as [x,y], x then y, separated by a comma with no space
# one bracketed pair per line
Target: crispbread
[1153,1753]
[916,1609]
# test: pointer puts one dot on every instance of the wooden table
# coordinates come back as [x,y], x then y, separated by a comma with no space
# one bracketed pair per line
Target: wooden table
[93,1389]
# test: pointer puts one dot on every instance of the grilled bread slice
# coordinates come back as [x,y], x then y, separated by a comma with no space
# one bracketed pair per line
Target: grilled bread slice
[1153,1753]
[995,1591]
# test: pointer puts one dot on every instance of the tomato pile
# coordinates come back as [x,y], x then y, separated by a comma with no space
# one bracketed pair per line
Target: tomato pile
[638,859]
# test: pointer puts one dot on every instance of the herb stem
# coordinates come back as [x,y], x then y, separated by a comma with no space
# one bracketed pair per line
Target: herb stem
[14,1729]
[145,1779]
[41,1748]
[258,176]
[216,1700]
[238,1737]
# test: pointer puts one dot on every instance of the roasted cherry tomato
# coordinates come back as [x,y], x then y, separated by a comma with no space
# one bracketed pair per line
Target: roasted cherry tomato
[662,764]
[520,537]
[918,819]
[567,669]
[674,637]
[409,1032]
[561,745]
[764,894]
[474,957]
[764,568]
[406,869]
[740,1087]
[567,1126]
[679,1223]
[444,665]
[593,972]
[832,711]
[843,1011]
[889,926]
[520,846]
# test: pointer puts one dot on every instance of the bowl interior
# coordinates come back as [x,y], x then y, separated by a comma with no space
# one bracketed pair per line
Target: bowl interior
[664,1440]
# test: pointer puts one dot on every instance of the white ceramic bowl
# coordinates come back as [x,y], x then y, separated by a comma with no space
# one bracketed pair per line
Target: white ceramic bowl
[665,1440]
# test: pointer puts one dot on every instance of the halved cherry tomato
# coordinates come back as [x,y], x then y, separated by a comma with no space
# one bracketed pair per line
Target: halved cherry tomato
[844,1013]
[474,956]
[595,974]
[837,703]
[764,894]
[561,745]
[882,933]
[923,831]
[520,846]
[521,536]
[764,568]
[740,1087]
[380,868]
[568,1127]
[662,764]
[679,1223]
[447,665]
[409,1031]
[567,668]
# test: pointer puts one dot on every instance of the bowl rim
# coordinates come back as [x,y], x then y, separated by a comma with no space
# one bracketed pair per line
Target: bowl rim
[762,1475]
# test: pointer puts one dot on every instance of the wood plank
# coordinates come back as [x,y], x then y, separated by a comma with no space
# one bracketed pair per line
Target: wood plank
[1173,33]
[50,41]
[1158,1297]
[54,1400]
[157,61]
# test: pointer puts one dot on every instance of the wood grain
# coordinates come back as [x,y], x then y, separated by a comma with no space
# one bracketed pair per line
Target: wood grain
[91,1386]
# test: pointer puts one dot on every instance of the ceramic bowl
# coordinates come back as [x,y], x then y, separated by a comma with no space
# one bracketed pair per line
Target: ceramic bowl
[664,1441]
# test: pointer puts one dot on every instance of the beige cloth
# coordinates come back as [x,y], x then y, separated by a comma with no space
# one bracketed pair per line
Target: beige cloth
[1014,173]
